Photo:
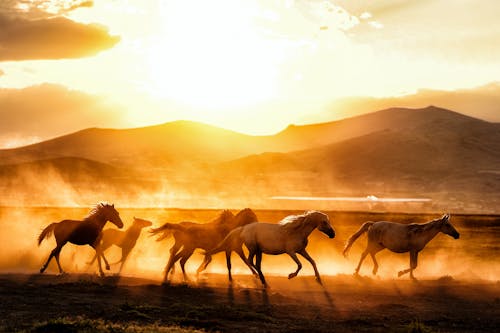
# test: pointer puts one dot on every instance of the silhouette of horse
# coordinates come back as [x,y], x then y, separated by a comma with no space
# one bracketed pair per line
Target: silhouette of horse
[190,236]
[289,236]
[85,232]
[400,238]
[123,239]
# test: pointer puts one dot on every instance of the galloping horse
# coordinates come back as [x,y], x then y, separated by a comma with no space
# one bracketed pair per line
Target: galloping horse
[400,238]
[126,240]
[190,236]
[289,236]
[85,232]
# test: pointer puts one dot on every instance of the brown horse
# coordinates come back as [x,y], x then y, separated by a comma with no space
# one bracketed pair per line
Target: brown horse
[125,240]
[189,236]
[84,232]
[400,238]
[289,236]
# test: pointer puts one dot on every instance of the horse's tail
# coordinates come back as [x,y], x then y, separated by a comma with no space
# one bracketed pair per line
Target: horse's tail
[364,228]
[166,230]
[46,232]
[230,242]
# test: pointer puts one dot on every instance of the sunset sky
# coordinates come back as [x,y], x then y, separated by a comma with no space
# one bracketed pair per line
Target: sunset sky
[249,65]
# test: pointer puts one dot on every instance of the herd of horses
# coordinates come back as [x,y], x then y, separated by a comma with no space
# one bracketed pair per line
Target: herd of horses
[231,233]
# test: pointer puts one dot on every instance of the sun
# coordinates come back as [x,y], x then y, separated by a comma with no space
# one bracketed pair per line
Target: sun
[211,55]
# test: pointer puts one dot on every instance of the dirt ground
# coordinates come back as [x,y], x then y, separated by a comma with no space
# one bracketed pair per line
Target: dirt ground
[87,303]
[458,288]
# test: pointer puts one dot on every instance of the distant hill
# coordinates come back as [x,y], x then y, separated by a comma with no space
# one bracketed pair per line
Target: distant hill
[154,145]
[427,152]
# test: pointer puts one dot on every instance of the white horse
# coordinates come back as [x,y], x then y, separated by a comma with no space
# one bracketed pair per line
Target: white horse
[400,238]
[289,236]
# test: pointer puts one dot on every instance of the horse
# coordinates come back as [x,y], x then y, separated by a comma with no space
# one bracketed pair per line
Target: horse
[289,236]
[190,236]
[125,240]
[81,232]
[400,238]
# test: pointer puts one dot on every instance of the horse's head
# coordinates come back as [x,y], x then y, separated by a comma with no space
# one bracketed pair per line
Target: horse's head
[112,215]
[322,222]
[141,223]
[244,217]
[447,227]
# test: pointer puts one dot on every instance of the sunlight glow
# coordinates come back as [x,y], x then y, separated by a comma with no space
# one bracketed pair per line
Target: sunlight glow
[211,58]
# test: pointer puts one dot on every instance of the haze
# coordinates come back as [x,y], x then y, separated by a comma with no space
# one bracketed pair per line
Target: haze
[250,66]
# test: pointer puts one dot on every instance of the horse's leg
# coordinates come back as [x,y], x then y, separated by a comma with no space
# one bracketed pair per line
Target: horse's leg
[373,252]
[206,260]
[246,261]
[228,264]
[171,262]
[125,253]
[185,255]
[311,260]
[413,265]
[105,261]
[53,253]
[375,263]
[363,256]
[99,254]
[44,266]
[299,265]
[56,255]
[258,262]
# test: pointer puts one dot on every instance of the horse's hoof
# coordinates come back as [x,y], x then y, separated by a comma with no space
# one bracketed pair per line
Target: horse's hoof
[42,270]
[291,275]
[400,273]
[108,268]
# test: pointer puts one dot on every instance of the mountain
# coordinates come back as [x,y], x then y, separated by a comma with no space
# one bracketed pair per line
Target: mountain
[427,152]
[406,152]
[152,146]
[482,102]
[185,143]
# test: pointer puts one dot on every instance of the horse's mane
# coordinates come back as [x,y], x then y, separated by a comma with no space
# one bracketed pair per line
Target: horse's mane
[247,212]
[222,217]
[96,210]
[293,222]
[422,227]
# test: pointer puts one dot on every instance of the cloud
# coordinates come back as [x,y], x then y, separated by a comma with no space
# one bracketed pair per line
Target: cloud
[40,112]
[51,38]
[481,102]
[37,30]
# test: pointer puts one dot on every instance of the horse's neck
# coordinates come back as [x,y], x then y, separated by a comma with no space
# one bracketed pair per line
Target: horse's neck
[133,230]
[98,220]
[307,229]
[431,232]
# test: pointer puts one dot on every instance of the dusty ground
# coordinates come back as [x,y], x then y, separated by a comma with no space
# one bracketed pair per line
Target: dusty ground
[458,288]
[86,303]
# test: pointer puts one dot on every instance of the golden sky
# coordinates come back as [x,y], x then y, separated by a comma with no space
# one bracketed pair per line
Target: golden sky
[250,65]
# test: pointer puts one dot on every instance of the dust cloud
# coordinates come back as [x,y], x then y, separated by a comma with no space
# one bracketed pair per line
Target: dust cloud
[472,257]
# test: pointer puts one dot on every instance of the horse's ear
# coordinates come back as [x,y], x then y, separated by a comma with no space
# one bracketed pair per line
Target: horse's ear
[446,216]
[113,205]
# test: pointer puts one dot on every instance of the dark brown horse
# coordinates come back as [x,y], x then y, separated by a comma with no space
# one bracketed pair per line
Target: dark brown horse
[189,236]
[125,240]
[85,232]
